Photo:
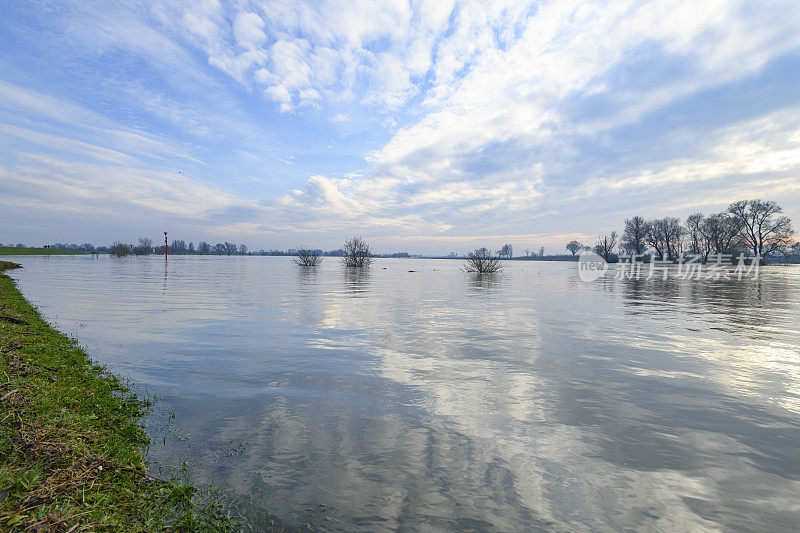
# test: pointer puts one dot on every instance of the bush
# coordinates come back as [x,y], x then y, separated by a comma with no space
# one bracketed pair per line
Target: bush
[482,261]
[145,247]
[306,257]
[356,253]
[119,249]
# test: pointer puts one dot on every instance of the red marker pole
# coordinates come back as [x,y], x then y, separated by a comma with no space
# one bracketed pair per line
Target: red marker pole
[165,246]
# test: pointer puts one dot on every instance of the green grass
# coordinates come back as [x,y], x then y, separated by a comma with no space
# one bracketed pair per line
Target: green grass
[10,250]
[71,440]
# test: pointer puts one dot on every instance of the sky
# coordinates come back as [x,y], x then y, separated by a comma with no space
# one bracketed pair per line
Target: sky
[423,126]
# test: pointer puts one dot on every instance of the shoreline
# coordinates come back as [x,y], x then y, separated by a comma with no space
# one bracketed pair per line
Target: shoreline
[72,441]
[7,250]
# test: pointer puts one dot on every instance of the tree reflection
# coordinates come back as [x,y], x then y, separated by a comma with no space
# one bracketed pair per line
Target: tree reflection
[356,282]
[746,306]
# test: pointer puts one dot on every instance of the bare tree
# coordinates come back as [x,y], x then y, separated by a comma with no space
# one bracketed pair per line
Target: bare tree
[574,247]
[635,234]
[119,249]
[506,251]
[178,247]
[664,234]
[356,253]
[145,246]
[242,249]
[482,261]
[694,223]
[654,237]
[720,234]
[762,227]
[673,236]
[229,248]
[606,245]
[307,257]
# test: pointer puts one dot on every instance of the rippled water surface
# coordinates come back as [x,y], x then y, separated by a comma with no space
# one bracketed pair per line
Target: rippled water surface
[415,396]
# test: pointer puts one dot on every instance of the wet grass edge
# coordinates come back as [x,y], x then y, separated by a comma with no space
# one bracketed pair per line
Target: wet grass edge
[72,440]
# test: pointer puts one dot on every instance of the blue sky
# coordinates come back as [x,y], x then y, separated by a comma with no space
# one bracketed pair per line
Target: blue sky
[424,126]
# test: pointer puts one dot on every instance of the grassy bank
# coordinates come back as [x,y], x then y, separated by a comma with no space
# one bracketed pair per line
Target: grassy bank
[71,440]
[10,250]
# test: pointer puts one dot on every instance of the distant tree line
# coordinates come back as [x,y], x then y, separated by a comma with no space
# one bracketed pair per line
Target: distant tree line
[180,247]
[749,227]
[85,247]
[177,247]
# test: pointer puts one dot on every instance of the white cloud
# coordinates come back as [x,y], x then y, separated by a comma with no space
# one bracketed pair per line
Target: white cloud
[279,93]
[370,50]
[309,94]
[766,146]
[120,191]
[757,158]
[249,30]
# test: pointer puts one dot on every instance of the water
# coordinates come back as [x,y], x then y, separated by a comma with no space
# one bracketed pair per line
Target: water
[435,400]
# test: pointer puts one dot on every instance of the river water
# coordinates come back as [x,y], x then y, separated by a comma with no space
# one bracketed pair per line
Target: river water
[415,396]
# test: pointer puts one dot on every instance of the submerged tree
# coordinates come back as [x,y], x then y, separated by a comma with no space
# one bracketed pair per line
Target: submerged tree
[664,235]
[482,261]
[145,246]
[178,247]
[119,249]
[719,234]
[694,231]
[634,235]
[606,245]
[307,257]
[574,247]
[762,227]
[506,251]
[356,253]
